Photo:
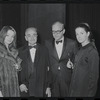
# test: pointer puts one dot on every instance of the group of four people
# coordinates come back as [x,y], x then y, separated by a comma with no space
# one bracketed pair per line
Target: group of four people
[59,68]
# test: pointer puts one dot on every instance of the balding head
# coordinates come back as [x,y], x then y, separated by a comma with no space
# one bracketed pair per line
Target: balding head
[30,29]
[58,30]
[31,35]
[58,24]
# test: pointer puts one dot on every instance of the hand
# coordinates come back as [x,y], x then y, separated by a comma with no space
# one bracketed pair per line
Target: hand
[69,64]
[1,94]
[48,92]
[18,66]
[23,88]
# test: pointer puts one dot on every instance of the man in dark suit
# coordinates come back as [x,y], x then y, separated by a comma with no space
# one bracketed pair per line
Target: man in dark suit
[32,78]
[61,50]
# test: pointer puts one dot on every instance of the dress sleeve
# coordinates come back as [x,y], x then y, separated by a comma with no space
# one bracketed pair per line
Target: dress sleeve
[75,47]
[94,72]
[75,50]
[0,73]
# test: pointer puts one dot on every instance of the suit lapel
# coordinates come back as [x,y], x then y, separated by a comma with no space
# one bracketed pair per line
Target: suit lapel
[64,47]
[37,57]
[29,56]
[27,59]
[54,50]
[29,62]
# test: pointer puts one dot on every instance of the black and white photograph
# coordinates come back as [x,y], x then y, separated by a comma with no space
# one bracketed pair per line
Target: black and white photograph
[50,49]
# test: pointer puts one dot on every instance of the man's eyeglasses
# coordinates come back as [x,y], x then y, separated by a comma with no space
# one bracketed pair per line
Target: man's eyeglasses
[57,32]
[35,35]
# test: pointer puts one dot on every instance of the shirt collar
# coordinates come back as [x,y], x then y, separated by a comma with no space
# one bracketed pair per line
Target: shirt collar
[31,45]
[61,39]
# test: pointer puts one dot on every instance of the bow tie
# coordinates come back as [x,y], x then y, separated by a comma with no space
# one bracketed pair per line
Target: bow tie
[57,42]
[30,47]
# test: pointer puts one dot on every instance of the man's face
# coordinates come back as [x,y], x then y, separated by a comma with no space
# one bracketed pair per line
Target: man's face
[31,36]
[57,31]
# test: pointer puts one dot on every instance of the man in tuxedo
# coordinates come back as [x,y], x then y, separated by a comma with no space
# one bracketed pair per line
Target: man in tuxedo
[61,50]
[33,76]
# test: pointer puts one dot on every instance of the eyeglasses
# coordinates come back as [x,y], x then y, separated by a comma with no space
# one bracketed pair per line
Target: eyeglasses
[57,32]
[28,35]
[35,35]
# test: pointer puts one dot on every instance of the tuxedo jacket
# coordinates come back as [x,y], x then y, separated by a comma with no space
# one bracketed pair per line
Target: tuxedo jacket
[33,75]
[69,50]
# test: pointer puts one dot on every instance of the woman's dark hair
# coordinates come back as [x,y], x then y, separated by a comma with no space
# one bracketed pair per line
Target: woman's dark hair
[87,29]
[3,34]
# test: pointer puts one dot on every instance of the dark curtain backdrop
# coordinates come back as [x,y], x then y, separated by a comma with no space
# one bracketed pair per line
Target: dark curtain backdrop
[10,15]
[21,16]
[89,13]
[42,16]
[0,16]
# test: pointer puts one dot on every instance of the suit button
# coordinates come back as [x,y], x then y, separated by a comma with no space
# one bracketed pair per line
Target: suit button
[59,68]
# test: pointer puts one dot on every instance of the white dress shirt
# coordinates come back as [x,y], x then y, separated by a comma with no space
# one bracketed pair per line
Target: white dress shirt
[32,53]
[59,47]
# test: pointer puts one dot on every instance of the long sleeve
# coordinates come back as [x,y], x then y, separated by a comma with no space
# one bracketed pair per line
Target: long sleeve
[75,49]
[94,72]
[49,73]
[21,74]
[48,77]
[0,74]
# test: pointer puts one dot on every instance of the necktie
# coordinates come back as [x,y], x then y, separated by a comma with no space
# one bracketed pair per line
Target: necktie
[30,47]
[57,42]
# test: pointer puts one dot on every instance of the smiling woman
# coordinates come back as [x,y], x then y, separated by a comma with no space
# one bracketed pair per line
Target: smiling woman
[9,37]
